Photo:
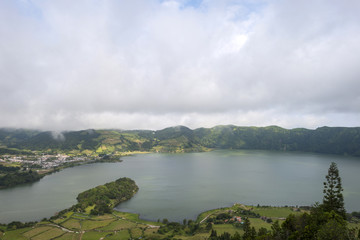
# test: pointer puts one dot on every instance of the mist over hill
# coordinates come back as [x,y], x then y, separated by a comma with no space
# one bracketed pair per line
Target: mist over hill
[329,140]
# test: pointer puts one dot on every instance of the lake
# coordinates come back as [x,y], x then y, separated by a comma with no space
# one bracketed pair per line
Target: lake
[179,186]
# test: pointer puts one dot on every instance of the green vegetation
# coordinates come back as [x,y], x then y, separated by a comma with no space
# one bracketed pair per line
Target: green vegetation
[329,140]
[119,225]
[4,150]
[18,177]
[102,199]
[108,196]
[93,217]
[87,146]
[333,198]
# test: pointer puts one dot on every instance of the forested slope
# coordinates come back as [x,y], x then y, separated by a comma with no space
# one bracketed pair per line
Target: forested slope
[330,140]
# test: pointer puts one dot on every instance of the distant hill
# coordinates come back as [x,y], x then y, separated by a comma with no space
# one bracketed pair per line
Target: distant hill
[330,140]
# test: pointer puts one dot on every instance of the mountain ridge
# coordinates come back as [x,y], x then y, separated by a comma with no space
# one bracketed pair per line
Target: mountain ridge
[330,140]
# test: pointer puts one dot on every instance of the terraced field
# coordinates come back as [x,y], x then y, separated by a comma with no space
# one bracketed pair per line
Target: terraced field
[75,226]
[121,225]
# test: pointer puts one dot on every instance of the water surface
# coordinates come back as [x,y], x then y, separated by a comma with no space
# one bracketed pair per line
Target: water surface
[178,186]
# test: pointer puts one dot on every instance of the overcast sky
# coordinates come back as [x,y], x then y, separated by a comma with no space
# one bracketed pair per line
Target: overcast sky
[151,64]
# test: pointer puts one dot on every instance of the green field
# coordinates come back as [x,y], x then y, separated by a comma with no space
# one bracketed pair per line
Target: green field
[69,236]
[94,224]
[120,225]
[72,224]
[221,228]
[36,231]
[94,235]
[275,212]
[50,234]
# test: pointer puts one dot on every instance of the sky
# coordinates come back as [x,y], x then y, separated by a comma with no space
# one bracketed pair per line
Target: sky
[151,64]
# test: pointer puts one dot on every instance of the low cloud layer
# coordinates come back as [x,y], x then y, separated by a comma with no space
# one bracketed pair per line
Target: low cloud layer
[151,64]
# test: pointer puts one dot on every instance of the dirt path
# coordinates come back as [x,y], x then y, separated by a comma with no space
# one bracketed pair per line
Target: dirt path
[205,218]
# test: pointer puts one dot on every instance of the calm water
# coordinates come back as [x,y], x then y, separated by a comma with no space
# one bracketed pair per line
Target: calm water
[178,186]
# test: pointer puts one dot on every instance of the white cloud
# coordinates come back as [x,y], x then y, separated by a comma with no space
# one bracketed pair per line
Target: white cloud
[152,64]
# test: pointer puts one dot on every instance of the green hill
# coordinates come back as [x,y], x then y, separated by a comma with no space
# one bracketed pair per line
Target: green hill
[329,140]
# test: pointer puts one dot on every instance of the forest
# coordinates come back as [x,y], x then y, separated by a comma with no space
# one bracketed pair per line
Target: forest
[327,140]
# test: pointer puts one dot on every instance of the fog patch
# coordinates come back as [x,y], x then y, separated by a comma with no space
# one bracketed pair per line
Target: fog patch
[58,136]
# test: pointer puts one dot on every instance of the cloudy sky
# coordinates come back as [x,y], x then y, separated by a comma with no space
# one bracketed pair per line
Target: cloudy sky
[151,64]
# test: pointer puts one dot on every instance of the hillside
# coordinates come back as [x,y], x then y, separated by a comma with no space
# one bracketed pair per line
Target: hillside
[329,140]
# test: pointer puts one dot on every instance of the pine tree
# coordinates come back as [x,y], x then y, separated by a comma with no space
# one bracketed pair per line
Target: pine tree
[249,232]
[333,197]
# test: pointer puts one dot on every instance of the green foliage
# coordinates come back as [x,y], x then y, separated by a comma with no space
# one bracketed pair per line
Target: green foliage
[223,216]
[4,169]
[173,227]
[333,197]
[107,196]
[86,139]
[10,136]
[4,150]
[18,177]
[249,232]
[344,141]
[17,225]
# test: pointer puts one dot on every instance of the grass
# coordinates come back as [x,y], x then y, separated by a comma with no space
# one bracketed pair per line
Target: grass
[354,225]
[15,234]
[92,235]
[135,217]
[72,224]
[103,217]
[90,224]
[150,231]
[59,220]
[275,212]
[89,208]
[136,232]
[119,225]
[69,236]
[221,228]
[201,236]
[124,234]
[36,231]
[258,223]
[130,216]
[50,234]
[80,216]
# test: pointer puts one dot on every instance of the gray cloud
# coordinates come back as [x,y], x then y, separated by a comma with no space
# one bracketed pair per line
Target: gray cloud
[153,64]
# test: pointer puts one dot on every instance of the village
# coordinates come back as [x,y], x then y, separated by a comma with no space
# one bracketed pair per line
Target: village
[45,161]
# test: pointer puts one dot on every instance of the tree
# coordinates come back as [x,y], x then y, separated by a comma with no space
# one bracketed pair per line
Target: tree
[236,236]
[276,231]
[184,222]
[213,235]
[334,229]
[249,232]
[333,197]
